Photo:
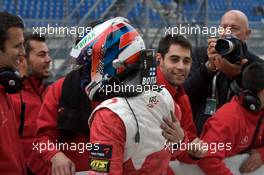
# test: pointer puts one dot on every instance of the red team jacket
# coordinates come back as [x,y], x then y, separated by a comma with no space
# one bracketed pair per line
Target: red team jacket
[47,133]
[32,95]
[11,152]
[181,98]
[232,127]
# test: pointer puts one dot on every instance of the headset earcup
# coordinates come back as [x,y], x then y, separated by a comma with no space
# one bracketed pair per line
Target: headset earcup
[11,80]
[251,101]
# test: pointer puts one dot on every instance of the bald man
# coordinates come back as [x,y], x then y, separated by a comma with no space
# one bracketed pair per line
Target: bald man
[237,23]
[207,64]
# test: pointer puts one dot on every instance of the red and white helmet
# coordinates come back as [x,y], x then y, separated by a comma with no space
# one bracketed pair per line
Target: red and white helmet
[111,46]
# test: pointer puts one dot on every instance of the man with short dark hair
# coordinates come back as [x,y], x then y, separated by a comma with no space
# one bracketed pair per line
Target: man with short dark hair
[174,55]
[38,61]
[11,47]
[37,56]
[57,123]
[238,126]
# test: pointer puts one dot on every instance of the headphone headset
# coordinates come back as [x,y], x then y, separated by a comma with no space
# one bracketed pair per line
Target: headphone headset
[250,100]
[11,80]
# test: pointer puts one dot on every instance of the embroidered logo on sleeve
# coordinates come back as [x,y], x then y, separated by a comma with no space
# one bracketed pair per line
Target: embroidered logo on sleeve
[102,151]
[99,165]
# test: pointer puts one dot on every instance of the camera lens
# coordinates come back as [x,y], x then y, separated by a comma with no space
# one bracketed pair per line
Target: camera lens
[224,47]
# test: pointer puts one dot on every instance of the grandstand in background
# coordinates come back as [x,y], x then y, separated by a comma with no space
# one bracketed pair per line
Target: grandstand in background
[149,16]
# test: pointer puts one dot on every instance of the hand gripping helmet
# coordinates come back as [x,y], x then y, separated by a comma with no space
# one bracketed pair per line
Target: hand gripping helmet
[111,48]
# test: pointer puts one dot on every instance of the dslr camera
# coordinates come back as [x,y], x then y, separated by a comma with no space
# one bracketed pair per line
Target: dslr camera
[231,48]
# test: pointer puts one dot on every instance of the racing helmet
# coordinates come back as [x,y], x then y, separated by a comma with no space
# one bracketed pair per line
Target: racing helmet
[110,48]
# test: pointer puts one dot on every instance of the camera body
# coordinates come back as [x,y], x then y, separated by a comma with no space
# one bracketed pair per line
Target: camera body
[231,48]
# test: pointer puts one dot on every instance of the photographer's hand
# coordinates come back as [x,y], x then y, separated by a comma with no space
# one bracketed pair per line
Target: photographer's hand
[228,68]
[211,52]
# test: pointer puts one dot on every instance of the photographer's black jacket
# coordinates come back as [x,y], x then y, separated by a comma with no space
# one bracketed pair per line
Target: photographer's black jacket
[198,85]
